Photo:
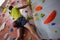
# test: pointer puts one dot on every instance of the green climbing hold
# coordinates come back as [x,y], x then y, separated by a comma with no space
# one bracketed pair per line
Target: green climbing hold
[42,15]
[29,17]
[43,1]
[30,38]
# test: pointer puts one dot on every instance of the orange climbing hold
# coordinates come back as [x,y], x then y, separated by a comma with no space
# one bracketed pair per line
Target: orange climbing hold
[38,8]
[50,17]
[23,0]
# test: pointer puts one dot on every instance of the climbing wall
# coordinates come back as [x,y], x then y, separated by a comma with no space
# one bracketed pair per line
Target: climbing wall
[46,17]
[7,31]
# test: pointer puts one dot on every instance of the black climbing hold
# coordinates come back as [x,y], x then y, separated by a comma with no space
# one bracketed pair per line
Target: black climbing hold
[9,12]
[10,7]
[13,18]
[26,11]
[18,1]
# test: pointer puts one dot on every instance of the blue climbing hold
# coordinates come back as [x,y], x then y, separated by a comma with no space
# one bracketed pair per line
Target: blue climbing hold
[11,29]
[13,38]
[53,23]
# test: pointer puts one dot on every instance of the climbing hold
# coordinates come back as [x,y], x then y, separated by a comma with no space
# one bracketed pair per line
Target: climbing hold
[13,38]
[4,10]
[42,15]
[10,7]
[13,3]
[30,38]
[9,12]
[17,1]
[36,18]
[32,6]
[23,0]
[50,39]
[29,17]
[58,39]
[53,23]
[28,2]
[38,8]
[35,14]
[11,29]
[13,18]
[55,31]
[50,17]
[3,15]
[43,1]
[26,11]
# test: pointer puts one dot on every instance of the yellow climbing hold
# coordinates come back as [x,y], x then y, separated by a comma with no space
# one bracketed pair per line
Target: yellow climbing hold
[4,10]
[55,31]
[28,2]
[35,13]
[32,6]
[36,18]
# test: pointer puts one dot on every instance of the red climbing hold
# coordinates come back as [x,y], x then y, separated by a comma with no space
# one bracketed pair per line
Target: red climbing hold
[38,8]
[50,17]
[58,39]
[12,3]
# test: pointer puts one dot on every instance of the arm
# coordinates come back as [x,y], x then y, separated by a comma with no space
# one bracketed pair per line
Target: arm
[23,7]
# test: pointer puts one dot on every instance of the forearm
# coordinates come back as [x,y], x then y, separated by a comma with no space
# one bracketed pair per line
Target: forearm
[23,7]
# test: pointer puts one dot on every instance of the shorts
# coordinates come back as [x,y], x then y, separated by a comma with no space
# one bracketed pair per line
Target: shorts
[20,22]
